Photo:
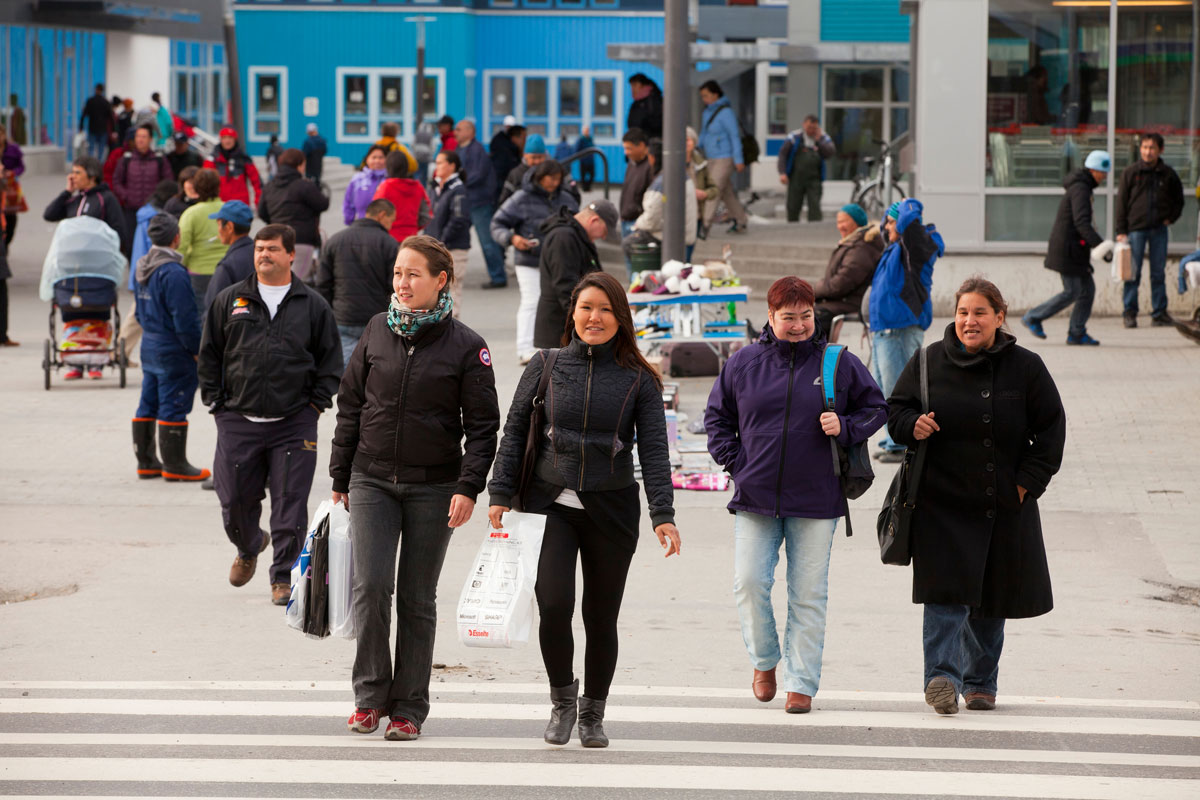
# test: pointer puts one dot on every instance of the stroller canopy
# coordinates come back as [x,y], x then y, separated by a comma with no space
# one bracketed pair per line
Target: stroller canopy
[83,247]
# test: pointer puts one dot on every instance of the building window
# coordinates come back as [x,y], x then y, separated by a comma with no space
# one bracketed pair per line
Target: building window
[553,104]
[777,105]
[369,97]
[501,90]
[268,108]
[535,97]
[862,105]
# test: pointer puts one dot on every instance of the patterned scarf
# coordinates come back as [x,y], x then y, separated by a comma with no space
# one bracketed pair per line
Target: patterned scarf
[406,322]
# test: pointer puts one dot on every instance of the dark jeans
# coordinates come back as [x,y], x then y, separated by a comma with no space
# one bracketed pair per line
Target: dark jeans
[587,174]
[412,517]
[200,289]
[570,531]
[4,310]
[965,649]
[249,454]
[127,239]
[1077,289]
[1157,239]
[10,226]
[493,254]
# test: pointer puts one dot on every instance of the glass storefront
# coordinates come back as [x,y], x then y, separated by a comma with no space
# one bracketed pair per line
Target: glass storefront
[1048,76]
[862,105]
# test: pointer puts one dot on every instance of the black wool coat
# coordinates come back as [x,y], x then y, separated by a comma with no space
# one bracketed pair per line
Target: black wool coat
[1074,234]
[1002,426]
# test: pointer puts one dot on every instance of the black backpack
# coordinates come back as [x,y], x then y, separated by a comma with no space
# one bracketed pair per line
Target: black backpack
[851,465]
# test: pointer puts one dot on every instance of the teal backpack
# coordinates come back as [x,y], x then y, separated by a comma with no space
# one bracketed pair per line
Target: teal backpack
[851,465]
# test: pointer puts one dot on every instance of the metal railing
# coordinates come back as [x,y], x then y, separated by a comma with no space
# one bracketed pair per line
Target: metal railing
[591,151]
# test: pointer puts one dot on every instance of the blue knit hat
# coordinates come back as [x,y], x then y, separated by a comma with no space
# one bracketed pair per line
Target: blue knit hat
[1098,160]
[894,210]
[856,213]
[535,144]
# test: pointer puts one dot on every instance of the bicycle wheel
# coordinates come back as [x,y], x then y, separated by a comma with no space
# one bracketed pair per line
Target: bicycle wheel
[871,200]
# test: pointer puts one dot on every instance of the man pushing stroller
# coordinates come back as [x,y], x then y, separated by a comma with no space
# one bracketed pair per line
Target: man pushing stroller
[166,308]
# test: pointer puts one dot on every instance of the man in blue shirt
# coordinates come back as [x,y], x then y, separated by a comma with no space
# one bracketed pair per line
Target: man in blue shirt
[481,189]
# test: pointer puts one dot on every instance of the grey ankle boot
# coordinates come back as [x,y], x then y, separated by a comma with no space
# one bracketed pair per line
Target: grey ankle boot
[591,723]
[562,715]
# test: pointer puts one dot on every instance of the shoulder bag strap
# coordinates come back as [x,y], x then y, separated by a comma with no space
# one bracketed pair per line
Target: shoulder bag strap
[914,480]
[544,382]
[830,359]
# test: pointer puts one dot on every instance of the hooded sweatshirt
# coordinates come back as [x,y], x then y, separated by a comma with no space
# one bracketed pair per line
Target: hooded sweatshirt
[900,288]
[166,309]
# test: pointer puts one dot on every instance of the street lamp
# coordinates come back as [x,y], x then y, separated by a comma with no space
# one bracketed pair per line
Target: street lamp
[420,21]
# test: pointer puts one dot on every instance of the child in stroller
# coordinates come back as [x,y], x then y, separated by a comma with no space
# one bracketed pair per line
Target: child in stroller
[80,276]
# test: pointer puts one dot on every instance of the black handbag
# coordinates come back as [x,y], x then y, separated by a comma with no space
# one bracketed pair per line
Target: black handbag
[533,437]
[894,524]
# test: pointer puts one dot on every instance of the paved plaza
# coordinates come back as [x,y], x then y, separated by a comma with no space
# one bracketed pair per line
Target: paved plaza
[130,667]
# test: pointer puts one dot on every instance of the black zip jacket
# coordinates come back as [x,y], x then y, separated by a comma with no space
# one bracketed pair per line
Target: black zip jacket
[594,407]
[292,199]
[263,367]
[405,404]
[354,273]
[451,223]
[1074,234]
[568,254]
[235,266]
[1151,195]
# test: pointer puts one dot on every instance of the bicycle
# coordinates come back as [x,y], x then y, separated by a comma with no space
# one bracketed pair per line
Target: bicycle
[868,190]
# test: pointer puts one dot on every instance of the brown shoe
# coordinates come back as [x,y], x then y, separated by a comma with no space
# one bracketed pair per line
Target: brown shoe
[242,570]
[764,685]
[280,594]
[978,701]
[798,703]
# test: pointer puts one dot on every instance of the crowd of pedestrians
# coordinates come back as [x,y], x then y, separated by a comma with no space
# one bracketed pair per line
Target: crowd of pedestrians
[273,333]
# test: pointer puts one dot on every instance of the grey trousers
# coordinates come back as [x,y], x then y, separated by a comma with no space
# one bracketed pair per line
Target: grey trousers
[384,517]
[721,171]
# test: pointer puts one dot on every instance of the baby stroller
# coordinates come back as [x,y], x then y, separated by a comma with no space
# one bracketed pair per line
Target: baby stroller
[80,276]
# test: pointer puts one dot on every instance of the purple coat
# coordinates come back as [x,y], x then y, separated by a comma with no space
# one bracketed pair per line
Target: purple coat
[138,175]
[360,192]
[774,449]
[13,159]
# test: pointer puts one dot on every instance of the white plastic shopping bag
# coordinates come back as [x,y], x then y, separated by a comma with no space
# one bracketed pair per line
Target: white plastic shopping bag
[496,608]
[339,521]
[1122,262]
[341,575]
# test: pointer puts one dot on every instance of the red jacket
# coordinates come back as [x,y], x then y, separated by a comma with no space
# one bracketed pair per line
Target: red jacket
[411,202]
[236,171]
[110,164]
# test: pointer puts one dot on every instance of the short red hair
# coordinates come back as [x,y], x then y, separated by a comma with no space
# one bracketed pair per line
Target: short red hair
[790,291]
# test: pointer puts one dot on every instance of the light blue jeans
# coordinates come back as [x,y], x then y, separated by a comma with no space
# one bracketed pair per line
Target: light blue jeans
[891,350]
[349,334]
[755,555]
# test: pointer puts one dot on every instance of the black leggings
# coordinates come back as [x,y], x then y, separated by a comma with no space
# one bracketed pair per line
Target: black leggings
[605,567]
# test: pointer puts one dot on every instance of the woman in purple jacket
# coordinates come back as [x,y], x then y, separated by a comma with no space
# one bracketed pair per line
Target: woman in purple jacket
[362,186]
[767,426]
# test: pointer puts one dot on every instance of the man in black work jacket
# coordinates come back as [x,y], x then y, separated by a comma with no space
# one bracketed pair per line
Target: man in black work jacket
[270,360]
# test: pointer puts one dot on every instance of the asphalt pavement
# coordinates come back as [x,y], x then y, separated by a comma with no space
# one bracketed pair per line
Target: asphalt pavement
[129,666]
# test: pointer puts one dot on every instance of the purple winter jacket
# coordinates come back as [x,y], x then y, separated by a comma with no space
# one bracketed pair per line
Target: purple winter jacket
[138,175]
[360,193]
[13,159]
[763,426]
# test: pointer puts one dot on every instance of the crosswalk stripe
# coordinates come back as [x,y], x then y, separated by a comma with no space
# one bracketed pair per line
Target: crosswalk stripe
[916,720]
[595,776]
[355,742]
[492,687]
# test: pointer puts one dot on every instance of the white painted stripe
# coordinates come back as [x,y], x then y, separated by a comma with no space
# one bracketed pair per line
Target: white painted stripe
[599,776]
[357,742]
[914,720]
[491,687]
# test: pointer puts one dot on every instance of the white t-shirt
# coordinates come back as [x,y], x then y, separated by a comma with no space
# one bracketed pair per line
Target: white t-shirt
[569,499]
[272,296]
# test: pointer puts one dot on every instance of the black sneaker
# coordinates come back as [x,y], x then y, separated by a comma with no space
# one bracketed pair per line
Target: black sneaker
[1130,320]
[1162,321]
[491,285]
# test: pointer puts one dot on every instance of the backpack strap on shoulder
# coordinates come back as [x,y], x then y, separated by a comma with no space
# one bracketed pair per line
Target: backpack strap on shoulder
[830,359]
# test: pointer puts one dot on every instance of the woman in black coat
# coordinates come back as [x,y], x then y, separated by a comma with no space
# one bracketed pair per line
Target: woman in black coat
[995,430]
[602,395]
[416,432]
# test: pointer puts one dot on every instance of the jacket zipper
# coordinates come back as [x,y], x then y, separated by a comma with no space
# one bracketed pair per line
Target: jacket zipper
[400,415]
[587,400]
[787,413]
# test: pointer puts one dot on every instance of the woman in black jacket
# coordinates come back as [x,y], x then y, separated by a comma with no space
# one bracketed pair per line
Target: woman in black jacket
[451,223]
[601,392]
[418,381]
[995,430]
[292,199]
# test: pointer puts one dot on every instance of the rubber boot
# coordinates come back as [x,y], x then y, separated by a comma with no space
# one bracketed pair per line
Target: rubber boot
[591,723]
[172,443]
[143,448]
[563,715]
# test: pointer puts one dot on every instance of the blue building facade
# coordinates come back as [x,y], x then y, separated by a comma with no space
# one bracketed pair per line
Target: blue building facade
[350,68]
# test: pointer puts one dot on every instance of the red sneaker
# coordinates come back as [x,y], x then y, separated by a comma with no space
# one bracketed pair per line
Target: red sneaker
[363,720]
[95,374]
[73,374]
[401,730]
